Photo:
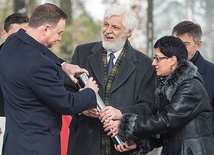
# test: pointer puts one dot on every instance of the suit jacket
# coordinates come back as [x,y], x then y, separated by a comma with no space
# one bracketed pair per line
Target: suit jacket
[131,92]
[35,97]
[206,69]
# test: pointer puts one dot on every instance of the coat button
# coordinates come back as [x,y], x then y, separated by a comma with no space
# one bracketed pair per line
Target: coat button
[90,131]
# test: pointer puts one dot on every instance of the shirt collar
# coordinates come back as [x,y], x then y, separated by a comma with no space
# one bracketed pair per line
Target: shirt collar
[116,54]
[194,57]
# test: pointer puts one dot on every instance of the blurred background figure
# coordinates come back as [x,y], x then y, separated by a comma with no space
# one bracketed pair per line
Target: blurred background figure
[191,35]
[12,24]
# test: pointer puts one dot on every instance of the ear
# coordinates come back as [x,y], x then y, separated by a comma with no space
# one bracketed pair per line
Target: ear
[4,34]
[46,28]
[173,61]
[199,44]
[129,33]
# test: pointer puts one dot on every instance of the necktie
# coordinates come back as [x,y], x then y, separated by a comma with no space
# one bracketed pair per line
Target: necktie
[110,63]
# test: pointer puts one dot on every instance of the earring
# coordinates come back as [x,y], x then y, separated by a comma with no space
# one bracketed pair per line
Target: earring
[170,67]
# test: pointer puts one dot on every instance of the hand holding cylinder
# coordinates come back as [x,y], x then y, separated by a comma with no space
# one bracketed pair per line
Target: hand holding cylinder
[82,80]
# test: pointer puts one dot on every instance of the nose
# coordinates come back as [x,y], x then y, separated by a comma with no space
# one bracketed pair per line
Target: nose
[154,62]
[60,37]
[109,29]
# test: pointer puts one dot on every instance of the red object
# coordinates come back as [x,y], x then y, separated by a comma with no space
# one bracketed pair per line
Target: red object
[64,134]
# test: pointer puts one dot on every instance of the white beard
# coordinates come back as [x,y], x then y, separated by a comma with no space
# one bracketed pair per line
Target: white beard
[116,45]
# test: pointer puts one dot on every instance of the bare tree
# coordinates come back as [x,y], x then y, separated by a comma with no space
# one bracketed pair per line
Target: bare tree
[208,6]
[20,6]
[66,5]
[150,28]
[31,5]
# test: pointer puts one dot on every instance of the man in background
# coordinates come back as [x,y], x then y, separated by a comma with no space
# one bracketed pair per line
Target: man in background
[12,24]
[126,81]
[191,35]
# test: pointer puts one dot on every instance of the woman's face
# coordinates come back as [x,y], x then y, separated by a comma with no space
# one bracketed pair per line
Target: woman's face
[162,64]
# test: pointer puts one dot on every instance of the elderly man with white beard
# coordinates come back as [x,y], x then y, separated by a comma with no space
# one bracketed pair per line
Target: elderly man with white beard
[127,88]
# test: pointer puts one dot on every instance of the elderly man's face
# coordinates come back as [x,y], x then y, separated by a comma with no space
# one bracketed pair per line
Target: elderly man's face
[114,33]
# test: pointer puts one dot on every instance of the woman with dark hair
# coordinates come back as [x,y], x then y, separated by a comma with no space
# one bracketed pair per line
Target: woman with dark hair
[182,124]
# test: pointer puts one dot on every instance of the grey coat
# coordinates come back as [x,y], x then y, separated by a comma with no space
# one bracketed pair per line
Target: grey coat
[132,91]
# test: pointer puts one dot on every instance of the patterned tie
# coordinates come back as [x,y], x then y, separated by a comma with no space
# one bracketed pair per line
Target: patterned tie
[110,63]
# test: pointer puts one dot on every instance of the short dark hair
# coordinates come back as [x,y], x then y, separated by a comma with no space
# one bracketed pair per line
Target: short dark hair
[172,46]
[46,13]
[15,18]
[189,27]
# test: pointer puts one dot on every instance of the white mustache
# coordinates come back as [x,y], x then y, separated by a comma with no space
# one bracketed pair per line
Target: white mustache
[109,35]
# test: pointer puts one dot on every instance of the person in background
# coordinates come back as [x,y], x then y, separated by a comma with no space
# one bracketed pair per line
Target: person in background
[12,24]
[191,35]
[128,87]
[183,120]
[32,84]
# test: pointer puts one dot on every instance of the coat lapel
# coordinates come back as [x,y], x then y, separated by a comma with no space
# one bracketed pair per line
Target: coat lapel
[126,69]
[200,63]
[95,60]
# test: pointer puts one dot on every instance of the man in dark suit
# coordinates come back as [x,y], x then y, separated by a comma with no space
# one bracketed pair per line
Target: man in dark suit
[12,24]
[32,84]
[129,87]
[191,34]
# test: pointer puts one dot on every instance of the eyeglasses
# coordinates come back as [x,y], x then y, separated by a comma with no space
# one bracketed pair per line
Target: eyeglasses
[160,58]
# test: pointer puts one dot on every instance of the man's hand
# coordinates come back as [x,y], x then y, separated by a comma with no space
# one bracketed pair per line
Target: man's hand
[110,116]
[70,70]
[91,113]
[92,84]
[111,128]
[109,113]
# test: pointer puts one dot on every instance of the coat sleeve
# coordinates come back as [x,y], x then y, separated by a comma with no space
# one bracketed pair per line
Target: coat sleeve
[187,103]
[46,84]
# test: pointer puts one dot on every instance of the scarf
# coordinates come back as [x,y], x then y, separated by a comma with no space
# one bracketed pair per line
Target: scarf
[106,144]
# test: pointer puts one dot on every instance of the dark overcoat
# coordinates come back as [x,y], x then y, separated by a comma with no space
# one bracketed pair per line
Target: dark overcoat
[132,91]
[206,69]
[35,97]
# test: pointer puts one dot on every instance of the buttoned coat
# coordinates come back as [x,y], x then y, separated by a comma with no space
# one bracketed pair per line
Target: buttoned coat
[132,91]
[35,97]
